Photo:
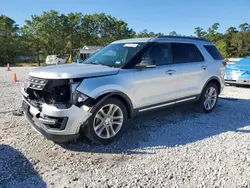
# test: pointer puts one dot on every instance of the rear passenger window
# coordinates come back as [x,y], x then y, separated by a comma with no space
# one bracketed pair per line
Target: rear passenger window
[214,52]
[186,53]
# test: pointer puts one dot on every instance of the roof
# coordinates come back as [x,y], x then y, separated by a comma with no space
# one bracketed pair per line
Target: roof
[132,40]
[165,38]
[182,37]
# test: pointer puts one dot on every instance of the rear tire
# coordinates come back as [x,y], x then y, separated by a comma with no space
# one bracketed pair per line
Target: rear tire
[107,122]
[208,98]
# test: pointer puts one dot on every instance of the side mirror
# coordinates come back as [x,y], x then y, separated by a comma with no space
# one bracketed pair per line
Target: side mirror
[146,63]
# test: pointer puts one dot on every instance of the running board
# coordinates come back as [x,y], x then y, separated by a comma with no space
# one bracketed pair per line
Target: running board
[167,104]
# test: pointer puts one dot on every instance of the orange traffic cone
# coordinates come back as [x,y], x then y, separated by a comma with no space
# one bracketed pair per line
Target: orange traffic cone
[14,77]
[8,67]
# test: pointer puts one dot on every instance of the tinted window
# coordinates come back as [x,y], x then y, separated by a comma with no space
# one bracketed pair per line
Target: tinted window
[160,53]
[214,52]
[185,53]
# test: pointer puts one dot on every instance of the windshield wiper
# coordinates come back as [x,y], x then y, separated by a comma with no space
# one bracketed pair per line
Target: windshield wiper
[93,63]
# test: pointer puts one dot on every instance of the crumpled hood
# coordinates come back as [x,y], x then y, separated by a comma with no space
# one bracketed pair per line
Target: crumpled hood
[73,71]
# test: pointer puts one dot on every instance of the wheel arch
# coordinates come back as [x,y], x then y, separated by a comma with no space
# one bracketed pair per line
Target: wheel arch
[214,80]
[118,95]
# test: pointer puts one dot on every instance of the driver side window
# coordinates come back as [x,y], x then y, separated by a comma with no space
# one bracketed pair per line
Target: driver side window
[160,53]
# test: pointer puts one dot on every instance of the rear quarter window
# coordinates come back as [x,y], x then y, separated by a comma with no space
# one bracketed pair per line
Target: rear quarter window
[214,52]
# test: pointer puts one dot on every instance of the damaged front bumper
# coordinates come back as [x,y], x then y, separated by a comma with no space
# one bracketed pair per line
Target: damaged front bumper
[55,124]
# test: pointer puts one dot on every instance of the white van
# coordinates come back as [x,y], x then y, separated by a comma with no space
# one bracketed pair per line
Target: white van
[55,60]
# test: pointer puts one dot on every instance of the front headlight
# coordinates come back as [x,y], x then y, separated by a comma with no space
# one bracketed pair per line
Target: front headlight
[79,97]
[25,84]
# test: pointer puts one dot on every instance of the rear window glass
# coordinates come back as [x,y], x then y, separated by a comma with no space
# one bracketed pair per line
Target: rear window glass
[186,53]
[214,52]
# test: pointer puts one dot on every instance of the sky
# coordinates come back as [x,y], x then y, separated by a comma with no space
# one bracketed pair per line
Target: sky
[163,16]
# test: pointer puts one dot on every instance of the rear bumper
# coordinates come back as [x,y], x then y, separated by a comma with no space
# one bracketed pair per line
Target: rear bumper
[238,82]
[55,124]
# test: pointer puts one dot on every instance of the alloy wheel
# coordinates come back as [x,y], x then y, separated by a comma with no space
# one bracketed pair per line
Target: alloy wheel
[210,98]
[108,121]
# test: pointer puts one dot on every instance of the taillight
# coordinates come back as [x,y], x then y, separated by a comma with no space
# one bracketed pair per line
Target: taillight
[224,63]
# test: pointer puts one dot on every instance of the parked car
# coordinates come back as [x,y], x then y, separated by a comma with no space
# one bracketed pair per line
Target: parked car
[238,73]
[122,80]
[55,60]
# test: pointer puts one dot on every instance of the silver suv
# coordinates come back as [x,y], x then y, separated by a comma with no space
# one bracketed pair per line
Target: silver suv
[122,80]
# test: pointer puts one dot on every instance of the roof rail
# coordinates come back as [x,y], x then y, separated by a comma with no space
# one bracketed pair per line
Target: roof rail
[182,37]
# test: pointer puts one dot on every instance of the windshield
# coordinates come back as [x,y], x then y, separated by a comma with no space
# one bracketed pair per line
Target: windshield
[115,55]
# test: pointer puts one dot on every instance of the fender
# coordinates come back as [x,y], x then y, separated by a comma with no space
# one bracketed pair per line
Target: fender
[118,94]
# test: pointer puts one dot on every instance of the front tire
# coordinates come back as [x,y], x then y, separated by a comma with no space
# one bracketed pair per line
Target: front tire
[107,122]
[208,98]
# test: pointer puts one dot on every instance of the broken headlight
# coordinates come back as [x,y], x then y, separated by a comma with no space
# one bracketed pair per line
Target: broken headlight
[78,97]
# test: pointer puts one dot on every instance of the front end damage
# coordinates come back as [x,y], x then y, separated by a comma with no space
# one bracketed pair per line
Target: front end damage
[55,108]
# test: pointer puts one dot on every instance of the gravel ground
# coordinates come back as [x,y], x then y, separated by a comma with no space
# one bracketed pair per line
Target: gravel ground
[170,148]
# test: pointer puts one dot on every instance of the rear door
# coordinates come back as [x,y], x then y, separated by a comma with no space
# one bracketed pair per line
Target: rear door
[191,67]
[156,85]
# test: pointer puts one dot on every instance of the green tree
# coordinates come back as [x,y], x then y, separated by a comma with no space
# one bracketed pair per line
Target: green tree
[240,42]
[173,33]
[54,33]
[212,33]
[101,29]
[199,32]
[146,33]
[51,33]
[229,48]
[244,27]
[8,39]
[222,46]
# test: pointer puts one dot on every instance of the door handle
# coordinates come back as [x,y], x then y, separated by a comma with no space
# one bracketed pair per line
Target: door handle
[170,72]
[204,67]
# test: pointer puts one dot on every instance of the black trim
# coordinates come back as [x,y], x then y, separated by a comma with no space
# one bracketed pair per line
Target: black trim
[182,37]
[210,79]
[137,111]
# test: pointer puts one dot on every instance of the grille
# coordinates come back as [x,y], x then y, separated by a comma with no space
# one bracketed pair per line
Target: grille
[37,83]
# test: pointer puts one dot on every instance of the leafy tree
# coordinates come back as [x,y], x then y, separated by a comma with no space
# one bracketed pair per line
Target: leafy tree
[173,33]
[244,27]
[240,42]
[212,33]
[231,31]
[54,33]
[222,46]
[146,33]
[199,32]
[8,39]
